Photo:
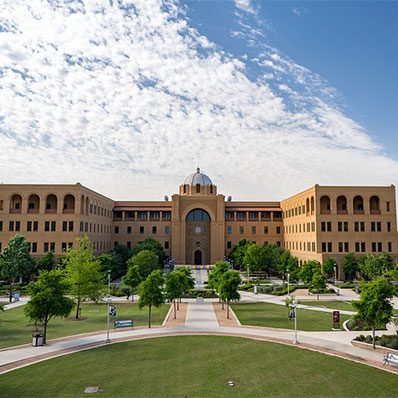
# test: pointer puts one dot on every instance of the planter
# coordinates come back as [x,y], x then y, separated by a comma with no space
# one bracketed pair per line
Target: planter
[368,346]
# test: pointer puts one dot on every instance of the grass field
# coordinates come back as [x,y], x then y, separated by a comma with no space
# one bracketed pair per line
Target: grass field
[276,316]
[16,329]
[198,366]
[335,305]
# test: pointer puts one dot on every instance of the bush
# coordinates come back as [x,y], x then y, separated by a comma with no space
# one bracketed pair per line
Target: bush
[361,337]
[205,293]
[265,289]
[246,286]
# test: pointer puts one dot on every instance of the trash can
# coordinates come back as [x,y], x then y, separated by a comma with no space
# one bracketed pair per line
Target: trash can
[37,339]
[16,296]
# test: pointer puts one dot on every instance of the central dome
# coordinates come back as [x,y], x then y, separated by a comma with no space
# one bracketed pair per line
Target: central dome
[198,178]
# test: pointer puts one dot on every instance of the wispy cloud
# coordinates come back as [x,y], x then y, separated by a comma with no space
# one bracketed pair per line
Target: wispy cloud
[300,11]
[128,99]
[245,5]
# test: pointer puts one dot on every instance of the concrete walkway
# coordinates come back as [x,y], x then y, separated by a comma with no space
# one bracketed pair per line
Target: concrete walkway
[201,315]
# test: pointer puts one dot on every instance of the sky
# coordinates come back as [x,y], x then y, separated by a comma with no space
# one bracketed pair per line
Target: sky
[268,98]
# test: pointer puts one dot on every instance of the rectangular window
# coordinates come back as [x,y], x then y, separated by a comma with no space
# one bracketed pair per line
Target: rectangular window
[323,247]
[53,226]
[363,247]
[166,244]
[346,247]
[229,245]
[357,247]
[52,246]
[167,216]
[240,215]
[340,247]
[34,247]
[345,226]
[373,226]
[388,226]
[1,226]
[17,225]
[142,215]
[70,245]
[29,226]
[128,245]
[70,226]
[116,230]
[129,229]
[308,227]
[166,229]
[65,226]
[35,226]
[155,215]
[379,246]
[362,226]
[389,247]
[228,215]
[340,226]
[253,230]
[378,226]
[323,226]
[388,206]
[308,246]
[154,230]
[141,230]
[278,243]
[313,246]
[373,247]
[63,246]
[229,230]
[81,226]
[45,249]
[356,226]
[86,227]
[330,247]
[11,226]
[241,230]
[313,227]
[278,230]
[47,226]
[329,225]
[252,215]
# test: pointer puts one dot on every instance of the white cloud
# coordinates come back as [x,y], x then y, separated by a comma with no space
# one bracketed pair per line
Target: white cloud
[129,101]
[245,5]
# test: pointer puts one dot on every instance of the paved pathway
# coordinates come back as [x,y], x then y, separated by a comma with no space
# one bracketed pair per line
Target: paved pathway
[201,316]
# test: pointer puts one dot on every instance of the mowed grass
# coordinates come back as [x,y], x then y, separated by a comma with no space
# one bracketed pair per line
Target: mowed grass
[198,366]
[334,304]
[276,316]
[16,329]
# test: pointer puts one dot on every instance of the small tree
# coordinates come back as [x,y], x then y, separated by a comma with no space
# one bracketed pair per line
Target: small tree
[152,245]
[151,293]
[132,279]
[256,258]
[350,265]
[46,262]
[188,280]
[175,286]
[307,270]
[328,266]
[16,260]
[318,282]
[228,287]
[146,261]
[48,298]
[374,307]
[220,267]
[84,273]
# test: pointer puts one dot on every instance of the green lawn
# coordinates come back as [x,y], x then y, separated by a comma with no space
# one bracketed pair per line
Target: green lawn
[198,366]
[335,305]
[16,329]
[276,316]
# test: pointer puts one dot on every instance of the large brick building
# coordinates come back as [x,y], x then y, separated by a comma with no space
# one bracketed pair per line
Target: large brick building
[199,226]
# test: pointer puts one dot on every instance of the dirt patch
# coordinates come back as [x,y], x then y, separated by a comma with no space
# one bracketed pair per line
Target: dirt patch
[222,316]
[181,316]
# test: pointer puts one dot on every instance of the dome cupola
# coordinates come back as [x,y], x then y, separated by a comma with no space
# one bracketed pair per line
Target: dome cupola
[198,184]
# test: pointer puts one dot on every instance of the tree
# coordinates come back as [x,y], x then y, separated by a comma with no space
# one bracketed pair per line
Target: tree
[146,261]
[151,293]
[46,262]
[119,257]
[374,307]
[328,266]
[132,279]
[48,298]
[220,267]
[256,258]
[152,245]
[228,287]
[318,282]
[84,273]
[16,260]
[175,286]
[307,270]
[188,279]
[238,253]
[350,265]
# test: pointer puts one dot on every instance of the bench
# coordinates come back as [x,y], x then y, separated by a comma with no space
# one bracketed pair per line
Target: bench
[391,359]
[123,324]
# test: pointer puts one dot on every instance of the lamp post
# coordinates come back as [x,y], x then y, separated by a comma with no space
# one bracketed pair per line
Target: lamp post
[335,273]
[248,273]
[109,300]
[288,280]
[295,322]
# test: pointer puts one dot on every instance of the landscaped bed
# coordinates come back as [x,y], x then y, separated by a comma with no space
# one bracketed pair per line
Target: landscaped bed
[331,304]
[16,329]
[276,316]
[198,366]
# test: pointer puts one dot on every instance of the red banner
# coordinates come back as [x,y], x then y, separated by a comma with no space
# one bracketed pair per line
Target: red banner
[336,316]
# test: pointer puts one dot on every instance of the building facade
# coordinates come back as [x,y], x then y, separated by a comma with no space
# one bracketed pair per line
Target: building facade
[198,225]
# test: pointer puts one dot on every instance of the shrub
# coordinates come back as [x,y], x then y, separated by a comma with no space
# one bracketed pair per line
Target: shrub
[265,289]
[246,286]
[368,339]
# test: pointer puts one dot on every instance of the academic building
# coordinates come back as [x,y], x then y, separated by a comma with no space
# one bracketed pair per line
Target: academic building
[200,226]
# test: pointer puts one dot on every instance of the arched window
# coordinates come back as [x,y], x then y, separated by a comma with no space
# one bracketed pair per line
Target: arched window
[342,205]
[197,188]
[312,205]
[374,204]
[197,215]
[33,203]
[82,202]
[211,188]
[51,204]
[308,206]
[325,205]
[358,205]
[69,204]
[185,188]
[16,204]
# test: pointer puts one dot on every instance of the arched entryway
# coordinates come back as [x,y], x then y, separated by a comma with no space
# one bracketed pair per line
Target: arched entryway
[198,257]
[197,224]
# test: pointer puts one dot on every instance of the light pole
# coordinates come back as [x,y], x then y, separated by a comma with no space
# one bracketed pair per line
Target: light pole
[335,273]
[248,273]
[109,300]
[295,322]
[288,280]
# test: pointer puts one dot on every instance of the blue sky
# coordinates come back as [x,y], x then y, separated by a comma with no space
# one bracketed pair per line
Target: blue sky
[267,97]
